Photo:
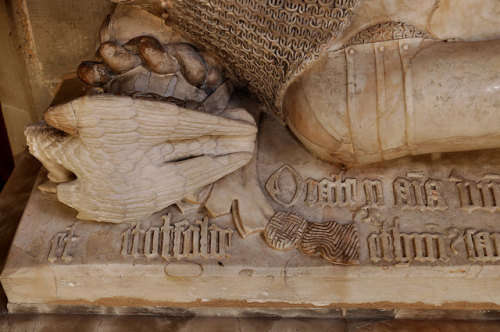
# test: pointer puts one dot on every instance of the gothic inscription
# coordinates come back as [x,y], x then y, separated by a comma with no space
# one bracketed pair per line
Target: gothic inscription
[334,193]
[481,195]
[482,246]
[378,203]
[417,191]
[393,246]
[180,240]
[413,191]
[60,245]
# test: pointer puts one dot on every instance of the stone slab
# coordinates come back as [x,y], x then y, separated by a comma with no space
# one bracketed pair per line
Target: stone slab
[427,227]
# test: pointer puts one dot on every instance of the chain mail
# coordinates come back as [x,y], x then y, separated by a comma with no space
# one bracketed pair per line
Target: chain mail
[265,43]
[386,31]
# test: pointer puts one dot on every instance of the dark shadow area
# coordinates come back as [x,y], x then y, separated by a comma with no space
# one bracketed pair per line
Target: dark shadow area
[7,160]
[13,200]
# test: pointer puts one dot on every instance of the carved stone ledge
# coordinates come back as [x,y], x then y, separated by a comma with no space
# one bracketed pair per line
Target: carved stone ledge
[427,232]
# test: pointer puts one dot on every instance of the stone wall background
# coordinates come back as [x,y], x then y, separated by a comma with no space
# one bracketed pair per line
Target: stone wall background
[42,42]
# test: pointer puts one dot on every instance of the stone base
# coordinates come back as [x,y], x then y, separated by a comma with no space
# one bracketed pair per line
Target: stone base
[427,228]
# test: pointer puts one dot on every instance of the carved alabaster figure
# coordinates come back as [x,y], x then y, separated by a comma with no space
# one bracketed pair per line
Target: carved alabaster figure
[161,138]
[372,93]
[153,130]
[133,157]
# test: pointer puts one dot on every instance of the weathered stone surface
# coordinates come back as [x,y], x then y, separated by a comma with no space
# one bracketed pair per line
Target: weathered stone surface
[425,241]
[287,231]
[382,100]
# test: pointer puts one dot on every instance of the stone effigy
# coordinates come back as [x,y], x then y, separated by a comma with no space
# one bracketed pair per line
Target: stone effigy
[203,188]
[374,99]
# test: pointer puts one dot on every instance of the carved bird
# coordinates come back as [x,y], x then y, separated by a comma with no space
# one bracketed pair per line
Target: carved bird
[133,157]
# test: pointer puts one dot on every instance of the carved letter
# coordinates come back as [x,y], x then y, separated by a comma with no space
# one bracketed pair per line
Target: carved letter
[151,242]
[179,227]
[403,192]
[60,245]
[374,247]
[373,192]
[482,195]
[203,237]
[273,186]
[166,231]
[434,194]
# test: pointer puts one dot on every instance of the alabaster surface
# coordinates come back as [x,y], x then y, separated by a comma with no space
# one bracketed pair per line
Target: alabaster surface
[326,154]
[422,233]
[163,137]
[390,89]
[384,100]
[133,157]
[378,60]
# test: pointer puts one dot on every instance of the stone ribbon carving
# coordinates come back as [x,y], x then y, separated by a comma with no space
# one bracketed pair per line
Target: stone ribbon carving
[133,157]
[336,243]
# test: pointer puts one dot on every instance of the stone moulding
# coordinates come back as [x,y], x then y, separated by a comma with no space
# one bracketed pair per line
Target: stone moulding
[72,271]
[203,215]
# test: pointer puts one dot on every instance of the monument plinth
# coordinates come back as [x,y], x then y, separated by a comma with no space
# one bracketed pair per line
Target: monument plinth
[355,166]
[425,236]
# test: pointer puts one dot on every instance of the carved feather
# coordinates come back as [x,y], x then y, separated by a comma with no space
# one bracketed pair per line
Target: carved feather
[133,157]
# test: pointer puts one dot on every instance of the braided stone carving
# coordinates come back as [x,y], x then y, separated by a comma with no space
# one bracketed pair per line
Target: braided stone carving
[385,32]
[336,243]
